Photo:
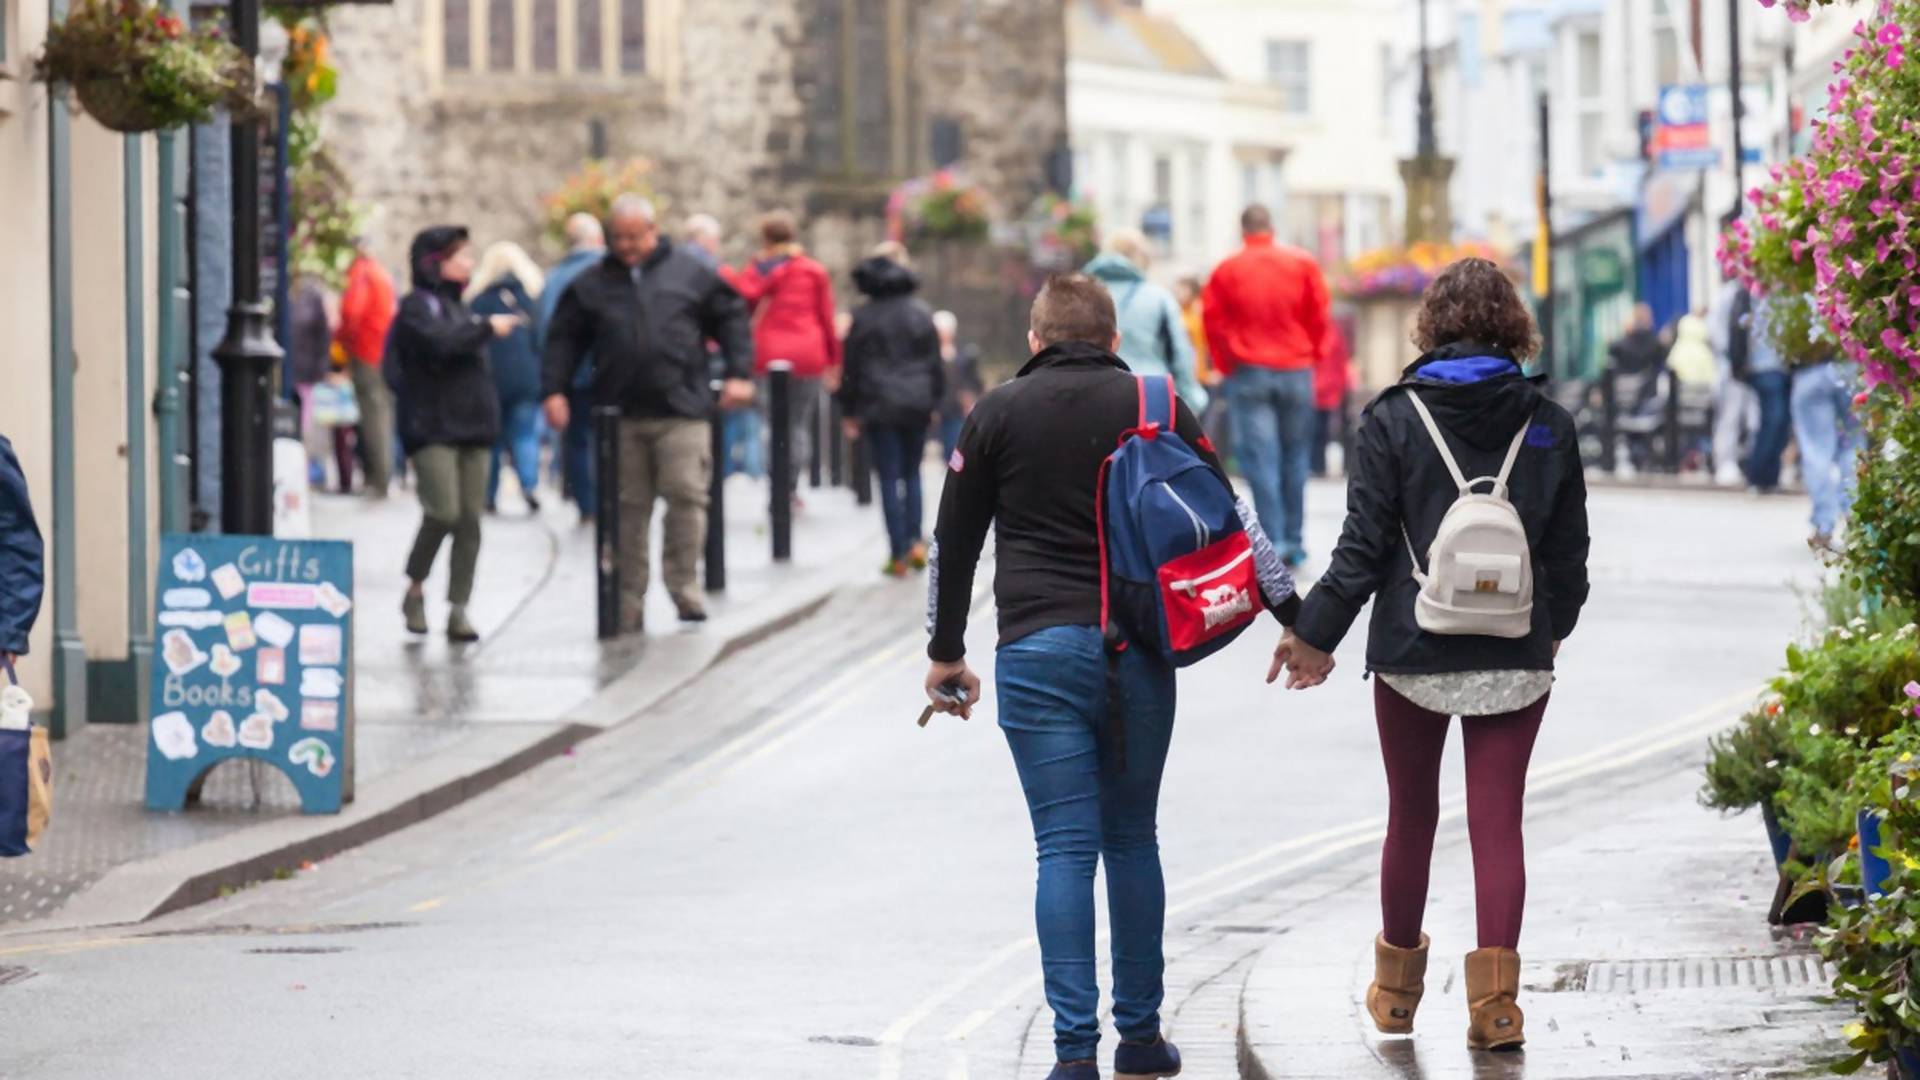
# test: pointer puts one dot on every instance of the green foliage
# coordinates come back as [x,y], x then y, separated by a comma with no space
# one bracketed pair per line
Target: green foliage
[1884,554]
[1743,764]
[592,191]
[1873,947]
[1834,700]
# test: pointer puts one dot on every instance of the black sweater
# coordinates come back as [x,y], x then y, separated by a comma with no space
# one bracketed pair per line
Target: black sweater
[1028,463]
[1398,478]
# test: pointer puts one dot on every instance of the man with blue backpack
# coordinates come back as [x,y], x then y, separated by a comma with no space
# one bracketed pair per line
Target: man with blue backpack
[1121,554]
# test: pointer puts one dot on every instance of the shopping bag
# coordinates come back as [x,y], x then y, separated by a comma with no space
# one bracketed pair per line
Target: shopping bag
[334,404]
[26,771]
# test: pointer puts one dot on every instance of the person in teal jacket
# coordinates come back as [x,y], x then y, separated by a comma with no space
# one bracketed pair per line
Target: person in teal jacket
[1153,336]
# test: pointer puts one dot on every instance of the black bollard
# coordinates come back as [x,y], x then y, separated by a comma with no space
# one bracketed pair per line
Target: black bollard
[836,443]
[780,459]
[717,499]
[818,419]
[862,473]
[1672,421]
[606,518]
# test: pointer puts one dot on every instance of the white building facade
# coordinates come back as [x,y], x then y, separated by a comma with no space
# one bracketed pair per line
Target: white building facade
[1184,112]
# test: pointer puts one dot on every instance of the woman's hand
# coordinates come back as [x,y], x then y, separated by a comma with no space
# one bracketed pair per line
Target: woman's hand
[505,324]
[955,673]
[851,429]
[1306,666]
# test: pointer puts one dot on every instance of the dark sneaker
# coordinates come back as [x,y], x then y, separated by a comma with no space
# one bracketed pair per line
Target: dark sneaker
[533,503]
[693,615]
[459,627]
[414,607]
[1075,1070]
[1146,1060]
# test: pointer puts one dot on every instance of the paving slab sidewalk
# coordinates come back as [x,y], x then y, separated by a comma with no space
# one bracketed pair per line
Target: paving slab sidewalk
[436,723]
[1646,954]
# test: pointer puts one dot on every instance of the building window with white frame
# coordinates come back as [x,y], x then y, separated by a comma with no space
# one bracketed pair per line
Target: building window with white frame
[1290,68]
[1590,104]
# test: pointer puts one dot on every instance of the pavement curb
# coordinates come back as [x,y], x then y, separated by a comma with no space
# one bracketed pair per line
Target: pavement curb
[140,891]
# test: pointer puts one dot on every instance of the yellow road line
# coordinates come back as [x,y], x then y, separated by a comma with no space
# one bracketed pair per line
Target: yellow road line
[555,841]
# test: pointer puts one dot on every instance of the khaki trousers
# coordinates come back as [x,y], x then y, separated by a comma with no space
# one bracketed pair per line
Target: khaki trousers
[670,459]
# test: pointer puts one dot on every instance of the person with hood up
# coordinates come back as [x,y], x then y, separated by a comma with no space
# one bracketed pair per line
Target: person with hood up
[791,297]
[892,384]
[1691,359]
[1153,330]
[449,416]
[508,283]
[1476,332]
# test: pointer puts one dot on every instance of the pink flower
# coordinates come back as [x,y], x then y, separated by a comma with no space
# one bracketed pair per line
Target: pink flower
[1896,56]
[1889,34]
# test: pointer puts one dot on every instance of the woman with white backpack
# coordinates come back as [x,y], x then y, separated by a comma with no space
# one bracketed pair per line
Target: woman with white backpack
[1467,523]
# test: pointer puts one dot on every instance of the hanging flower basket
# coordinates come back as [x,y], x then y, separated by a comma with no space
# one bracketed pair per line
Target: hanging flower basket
[137,68]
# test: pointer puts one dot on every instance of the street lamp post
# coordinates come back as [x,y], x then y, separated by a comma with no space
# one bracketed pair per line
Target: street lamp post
[248,354]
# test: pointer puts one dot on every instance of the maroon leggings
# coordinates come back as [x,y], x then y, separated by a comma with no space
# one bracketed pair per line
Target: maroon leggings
[1411,742]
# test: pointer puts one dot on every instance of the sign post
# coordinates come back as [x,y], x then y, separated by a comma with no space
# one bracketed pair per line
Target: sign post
[253,659]
[1682,136]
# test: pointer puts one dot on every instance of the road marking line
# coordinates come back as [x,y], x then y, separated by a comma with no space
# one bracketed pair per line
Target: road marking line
[556,840]
[1606,758]
[427,905]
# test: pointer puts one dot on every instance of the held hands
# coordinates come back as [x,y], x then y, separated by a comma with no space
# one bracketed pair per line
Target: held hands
[958,674]
[506,324]
[1306,666]
[559,415]
[850,428]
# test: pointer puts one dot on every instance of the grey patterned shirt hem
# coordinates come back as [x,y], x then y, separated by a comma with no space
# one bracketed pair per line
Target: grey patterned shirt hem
[1472,693]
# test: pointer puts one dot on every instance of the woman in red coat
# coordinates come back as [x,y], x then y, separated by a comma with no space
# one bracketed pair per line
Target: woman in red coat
[791,297]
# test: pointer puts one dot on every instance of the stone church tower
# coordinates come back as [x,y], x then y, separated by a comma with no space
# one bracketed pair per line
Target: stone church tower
[472,110]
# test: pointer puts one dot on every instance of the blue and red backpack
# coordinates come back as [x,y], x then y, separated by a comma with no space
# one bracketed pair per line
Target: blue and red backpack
[1177,572]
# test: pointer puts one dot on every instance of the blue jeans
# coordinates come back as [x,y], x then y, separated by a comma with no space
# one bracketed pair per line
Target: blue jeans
[1053,708]
[740,436]
[1763,461]
[950,435]
[1273,425]
[897,450]
[520,440]
[1830,438]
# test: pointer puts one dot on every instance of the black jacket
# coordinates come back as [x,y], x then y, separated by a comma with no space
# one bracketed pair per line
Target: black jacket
[436,357]
[648,341]
[1028,463]
[23,566]
[1398,477]
[893,374]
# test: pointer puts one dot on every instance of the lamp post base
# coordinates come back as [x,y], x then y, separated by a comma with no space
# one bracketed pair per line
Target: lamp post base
[248,356]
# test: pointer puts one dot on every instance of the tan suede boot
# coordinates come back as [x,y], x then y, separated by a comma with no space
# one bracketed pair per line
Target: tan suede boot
[1399,978]
[1493,982]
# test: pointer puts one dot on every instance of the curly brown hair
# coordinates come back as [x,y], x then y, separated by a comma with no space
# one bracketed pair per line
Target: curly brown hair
[1473,301]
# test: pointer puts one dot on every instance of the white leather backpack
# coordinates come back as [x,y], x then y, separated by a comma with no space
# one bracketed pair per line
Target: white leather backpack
[1479,577]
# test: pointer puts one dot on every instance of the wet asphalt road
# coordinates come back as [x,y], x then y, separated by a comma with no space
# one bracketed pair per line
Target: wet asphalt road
[778,874]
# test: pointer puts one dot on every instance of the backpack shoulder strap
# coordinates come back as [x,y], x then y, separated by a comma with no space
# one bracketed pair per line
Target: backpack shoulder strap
[1513,455]
[1156,400]
[1440,442]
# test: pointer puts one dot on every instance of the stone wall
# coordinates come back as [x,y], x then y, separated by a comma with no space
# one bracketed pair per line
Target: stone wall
[738,132]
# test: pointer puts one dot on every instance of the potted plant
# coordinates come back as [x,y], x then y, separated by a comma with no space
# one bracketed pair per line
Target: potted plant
[135,67]
[1743,771]
[592,191]
[943,207]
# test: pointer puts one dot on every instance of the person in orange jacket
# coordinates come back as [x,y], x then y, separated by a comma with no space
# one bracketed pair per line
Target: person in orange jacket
[367,307]
[1267,315]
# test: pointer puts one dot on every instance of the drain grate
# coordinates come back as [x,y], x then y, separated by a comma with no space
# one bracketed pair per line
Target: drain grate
[1790,971]
[11,975]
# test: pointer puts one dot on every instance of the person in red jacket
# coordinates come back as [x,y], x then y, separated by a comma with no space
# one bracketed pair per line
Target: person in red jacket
[791,297]
[1267,318]
[1332,380]
[367,308]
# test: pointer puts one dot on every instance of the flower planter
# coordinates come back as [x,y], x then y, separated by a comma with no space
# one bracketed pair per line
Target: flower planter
[117,106]
[1874,870]
[1777,837]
